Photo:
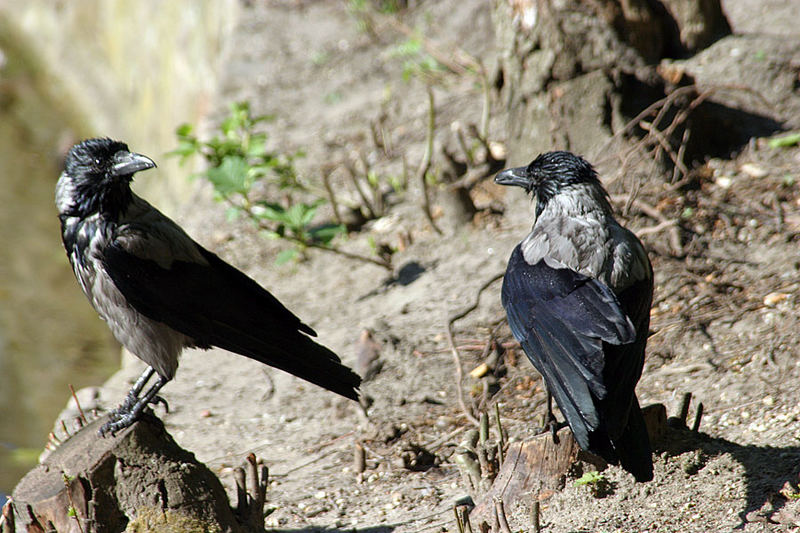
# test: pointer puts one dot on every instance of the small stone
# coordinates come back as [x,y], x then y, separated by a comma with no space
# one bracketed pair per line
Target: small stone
[774,298]
[724,182]
[753,170]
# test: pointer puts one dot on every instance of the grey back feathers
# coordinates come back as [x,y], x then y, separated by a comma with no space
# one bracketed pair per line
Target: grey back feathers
[574,226]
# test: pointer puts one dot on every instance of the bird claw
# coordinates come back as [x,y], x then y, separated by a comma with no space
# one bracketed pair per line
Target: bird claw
[160,400]
[131,409]
[115,425]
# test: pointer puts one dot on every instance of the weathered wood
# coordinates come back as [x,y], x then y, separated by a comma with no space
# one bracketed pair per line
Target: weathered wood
[572,73]
[655,418]
[535,466]
[141,476]
[699,22]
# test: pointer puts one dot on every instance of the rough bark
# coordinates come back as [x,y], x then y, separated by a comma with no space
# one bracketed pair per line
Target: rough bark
[571,73]
[140,480]
[536,468]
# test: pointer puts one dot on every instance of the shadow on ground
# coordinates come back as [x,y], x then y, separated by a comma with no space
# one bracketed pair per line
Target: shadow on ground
[767,468]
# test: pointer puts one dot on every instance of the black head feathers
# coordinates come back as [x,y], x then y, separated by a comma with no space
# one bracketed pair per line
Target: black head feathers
[549,172]
[97,175]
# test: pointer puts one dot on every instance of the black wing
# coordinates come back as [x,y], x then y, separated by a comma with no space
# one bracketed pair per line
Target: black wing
[622,414]
[562,318]
[217,305]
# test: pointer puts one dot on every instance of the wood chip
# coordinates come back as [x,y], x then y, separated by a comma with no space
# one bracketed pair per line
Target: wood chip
[479,371]
[774,298]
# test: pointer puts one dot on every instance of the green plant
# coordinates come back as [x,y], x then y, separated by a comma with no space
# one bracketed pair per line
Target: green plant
[786,141]
[362,11]
[417,62]
[237,159]
[597,483]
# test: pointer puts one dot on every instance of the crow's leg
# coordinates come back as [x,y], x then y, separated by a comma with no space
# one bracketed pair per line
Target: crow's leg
[550,424]
[126,415]
[133,394]
[550,421]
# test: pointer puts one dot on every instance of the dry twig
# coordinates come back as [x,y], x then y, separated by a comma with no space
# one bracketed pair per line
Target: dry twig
[425,164]
[500,513]
[454,350]
[78,404]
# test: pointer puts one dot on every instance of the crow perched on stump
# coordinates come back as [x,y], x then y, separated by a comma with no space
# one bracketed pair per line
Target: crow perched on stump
[160,292]
[577,292]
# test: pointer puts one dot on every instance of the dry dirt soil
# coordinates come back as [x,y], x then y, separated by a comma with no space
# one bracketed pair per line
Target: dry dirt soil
[724,322]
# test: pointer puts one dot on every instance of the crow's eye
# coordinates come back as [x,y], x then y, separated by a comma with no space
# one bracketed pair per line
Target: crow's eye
[97,161]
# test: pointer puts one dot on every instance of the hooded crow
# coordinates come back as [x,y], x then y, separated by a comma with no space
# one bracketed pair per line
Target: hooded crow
[160,292]
[577,292]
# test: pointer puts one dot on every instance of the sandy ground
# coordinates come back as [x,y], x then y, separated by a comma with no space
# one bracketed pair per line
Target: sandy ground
[713,334]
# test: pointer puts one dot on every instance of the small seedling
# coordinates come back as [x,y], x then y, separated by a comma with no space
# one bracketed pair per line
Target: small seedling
[786,141]
[790,494]
[597,483]
[417,62]
[72,511]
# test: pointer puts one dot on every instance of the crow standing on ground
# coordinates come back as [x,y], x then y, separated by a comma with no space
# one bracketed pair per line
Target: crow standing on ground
[160,291]
[577,292]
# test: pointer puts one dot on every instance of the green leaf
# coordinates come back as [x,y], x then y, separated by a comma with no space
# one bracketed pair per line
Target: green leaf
[326,233]
[257,148]
[184,130]
[299,215]
[270,211]
[310,212]
[269,234]
[589,478]
[410,47]
[230,177]
[397,183]
[786,141]
[232,213]
[286,255]
[185,149]
[372,178]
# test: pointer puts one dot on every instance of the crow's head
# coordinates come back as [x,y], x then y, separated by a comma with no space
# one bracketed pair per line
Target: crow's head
[550,174]
[97,175]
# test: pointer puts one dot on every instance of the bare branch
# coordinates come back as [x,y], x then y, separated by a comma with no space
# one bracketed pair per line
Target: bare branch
[454,350]
[425,164]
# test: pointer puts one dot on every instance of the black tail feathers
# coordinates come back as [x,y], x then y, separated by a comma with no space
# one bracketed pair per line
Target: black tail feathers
[295,353]
[633,446]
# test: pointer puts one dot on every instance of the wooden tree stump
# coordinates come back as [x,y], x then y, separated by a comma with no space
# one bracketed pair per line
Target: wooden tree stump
[538,467]
[535,466]
[140,479]
[571,74]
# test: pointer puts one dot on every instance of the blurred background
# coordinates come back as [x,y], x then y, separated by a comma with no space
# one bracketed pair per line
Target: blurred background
[71,70]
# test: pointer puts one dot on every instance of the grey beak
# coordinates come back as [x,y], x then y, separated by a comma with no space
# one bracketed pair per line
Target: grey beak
[128,163]
[514,176]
